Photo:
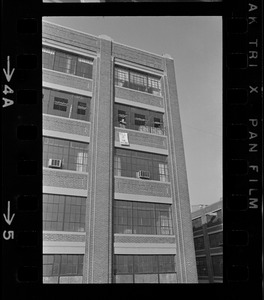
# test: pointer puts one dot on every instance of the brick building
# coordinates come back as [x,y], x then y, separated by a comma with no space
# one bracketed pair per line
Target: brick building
[115,196]
[208,242]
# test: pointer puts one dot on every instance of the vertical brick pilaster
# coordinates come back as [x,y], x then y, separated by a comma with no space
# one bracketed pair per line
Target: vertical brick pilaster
[185,260]
[99,219]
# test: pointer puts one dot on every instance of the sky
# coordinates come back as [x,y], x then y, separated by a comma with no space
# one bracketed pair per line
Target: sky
[195,43]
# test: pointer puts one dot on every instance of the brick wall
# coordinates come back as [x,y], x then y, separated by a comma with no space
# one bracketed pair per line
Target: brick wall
[69,37]
[138,56]
[139,97]
[68,80]
[64,179]
[66,125]
[142,187]
[63,237]
[143,139]
[144,239]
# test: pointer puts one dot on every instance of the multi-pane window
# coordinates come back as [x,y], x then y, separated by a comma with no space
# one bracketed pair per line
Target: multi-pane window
[63,213]
[216,239]
[131,164]
[137,80]
[202,266]
[197,224]
[132,217]
[58,265]
[138,119]
[66,105]
[217,261]
[199,243]
[72,155]
[144,269]
[66,62]
[214,218]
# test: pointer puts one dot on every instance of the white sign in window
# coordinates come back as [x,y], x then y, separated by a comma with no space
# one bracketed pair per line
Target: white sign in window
[123,139]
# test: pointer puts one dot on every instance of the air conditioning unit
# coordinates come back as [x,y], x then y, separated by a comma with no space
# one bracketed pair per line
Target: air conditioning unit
[143,174]
[55,163]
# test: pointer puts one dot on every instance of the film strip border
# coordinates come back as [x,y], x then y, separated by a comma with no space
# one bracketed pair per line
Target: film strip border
[22,146]
[243,147]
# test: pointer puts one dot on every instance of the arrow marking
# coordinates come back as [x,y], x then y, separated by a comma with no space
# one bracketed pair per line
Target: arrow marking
[8,75]
[7,218]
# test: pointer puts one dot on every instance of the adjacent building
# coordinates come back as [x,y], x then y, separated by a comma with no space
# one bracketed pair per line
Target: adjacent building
[115,195]
[208,241]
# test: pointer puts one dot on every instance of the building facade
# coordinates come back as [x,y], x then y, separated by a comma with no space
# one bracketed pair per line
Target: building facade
[208,241]
[115,195]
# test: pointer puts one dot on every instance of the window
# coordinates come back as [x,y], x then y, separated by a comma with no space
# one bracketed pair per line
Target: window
[216,239]
[59,265]
[122,116]
[60,104]
[84,68]
[154,85]
[121,77]
[81,108]
[201,266]
[197,224]
[63,213]
[214,218]
[48,56]
[142,218]
[137,80]
[217,261]
[199,243]
[138,119]
[128,164]
[65,62]
[74,155]
[144,269]
[66,105]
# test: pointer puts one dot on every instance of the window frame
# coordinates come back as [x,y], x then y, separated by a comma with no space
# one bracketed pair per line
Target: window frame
[63,149]
[156,269]
[73,65]
[63,207]
[71,112]
[61,258]
[142,218]
[132,161]
[138,80]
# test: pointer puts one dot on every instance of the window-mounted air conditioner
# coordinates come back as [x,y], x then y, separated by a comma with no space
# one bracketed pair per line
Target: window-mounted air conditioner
[55,163]
[143,174]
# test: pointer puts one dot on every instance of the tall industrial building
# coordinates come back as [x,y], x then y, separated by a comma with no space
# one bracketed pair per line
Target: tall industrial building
[115,195]
[208,241]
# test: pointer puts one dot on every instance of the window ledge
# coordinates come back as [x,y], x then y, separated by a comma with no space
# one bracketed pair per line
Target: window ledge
[146,235]
[64,232]
[144,132]
[142,180]
[65,170]
[145,93]
[69,119]
[58,72]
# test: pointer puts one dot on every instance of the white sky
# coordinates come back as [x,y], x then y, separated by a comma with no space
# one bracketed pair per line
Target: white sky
[195,43]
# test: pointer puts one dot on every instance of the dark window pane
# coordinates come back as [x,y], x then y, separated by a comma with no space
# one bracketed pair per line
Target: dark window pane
[216,239]
[201,266]
[217,261]
[199,243]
